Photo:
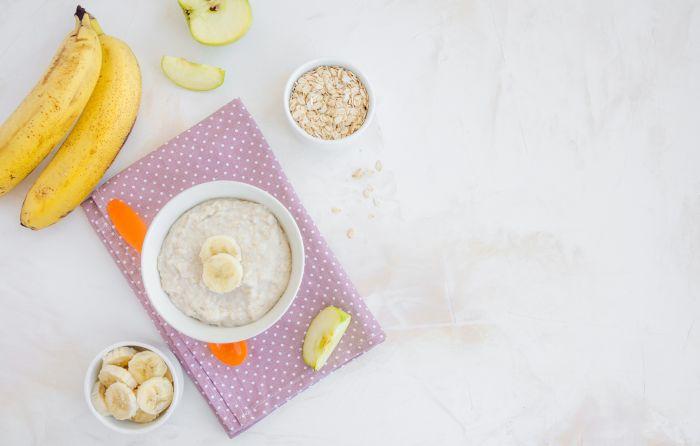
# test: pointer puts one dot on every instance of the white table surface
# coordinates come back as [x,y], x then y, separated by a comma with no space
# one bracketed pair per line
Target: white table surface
[535,251]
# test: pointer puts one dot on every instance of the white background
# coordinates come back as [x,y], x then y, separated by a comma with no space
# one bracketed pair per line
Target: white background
[535,251]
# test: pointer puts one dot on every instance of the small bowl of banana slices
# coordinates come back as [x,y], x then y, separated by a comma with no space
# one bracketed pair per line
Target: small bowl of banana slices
[133,387]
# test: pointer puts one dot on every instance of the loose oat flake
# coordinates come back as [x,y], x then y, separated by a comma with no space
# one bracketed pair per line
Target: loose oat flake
[329,102]
[351,233]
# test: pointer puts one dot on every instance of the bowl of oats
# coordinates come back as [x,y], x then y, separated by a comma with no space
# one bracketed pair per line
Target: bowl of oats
[328,101]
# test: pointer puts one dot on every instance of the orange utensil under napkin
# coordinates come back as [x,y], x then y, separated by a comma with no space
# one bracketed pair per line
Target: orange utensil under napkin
[132,229]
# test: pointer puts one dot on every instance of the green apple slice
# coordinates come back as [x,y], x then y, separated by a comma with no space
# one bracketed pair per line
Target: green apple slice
[190,75]
[217,22]
[323,335]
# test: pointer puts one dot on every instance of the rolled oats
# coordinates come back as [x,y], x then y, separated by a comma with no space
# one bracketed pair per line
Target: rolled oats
[329,102]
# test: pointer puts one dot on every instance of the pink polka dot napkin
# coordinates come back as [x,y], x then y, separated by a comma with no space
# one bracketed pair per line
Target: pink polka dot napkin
[228,145]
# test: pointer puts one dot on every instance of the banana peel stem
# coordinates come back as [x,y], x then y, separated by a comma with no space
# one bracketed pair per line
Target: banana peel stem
[80,12]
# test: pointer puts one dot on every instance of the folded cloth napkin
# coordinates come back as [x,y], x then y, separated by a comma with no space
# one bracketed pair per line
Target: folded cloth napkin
[228,145]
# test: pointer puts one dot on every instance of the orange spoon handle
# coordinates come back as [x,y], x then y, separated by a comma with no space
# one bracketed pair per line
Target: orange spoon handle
[127,222]
[232,354]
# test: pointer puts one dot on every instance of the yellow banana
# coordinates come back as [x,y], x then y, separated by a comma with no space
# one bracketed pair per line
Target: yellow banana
[93,143]
[47,113]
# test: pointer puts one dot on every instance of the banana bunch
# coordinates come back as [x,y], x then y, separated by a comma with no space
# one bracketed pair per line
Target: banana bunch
[93,82]
[132,385]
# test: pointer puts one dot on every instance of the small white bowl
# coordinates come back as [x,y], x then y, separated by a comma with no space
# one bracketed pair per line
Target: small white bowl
[308,66]
[126,426]
[159,228]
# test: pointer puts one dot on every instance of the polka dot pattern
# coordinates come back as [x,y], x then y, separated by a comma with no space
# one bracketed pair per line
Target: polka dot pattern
[228,145]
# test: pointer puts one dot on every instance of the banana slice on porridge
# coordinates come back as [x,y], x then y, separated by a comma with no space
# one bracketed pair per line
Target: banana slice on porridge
[219,244]
[222,273]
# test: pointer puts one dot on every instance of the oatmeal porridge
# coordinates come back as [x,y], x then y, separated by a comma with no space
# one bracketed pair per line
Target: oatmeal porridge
[225,262]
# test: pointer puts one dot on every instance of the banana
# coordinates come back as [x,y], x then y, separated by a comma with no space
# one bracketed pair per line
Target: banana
[119,356]
[111,373]
[154,395]
[121,401]
[94,142]
[50,109]
[97,396]
[143,417]
[219,244]
[145,365]
[222,273]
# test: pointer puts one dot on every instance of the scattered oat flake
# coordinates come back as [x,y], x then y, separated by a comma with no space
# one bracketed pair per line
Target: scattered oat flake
[370,216]
[358,173]
[368,191]
[336,210]
[351,233]
[378,166]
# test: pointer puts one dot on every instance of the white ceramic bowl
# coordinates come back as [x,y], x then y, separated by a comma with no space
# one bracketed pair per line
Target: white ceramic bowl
[159,228]
[126,426]
[308,66]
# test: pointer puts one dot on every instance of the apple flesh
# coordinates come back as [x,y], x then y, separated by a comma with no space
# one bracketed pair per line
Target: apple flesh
[217,22]
[323,335]
[190,75]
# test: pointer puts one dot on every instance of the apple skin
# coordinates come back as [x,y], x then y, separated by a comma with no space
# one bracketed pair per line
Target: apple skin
[188,7]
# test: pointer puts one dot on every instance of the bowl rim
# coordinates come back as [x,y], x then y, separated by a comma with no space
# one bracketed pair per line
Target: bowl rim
[158,230]
[330,61]
[120,425]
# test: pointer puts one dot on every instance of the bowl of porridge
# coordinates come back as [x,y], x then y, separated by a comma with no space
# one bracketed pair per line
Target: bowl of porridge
[222,261]
[329,102]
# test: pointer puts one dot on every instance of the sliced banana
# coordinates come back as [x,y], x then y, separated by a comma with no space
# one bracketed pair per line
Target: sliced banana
[219,244]
[119,356]
[97,396]
[121,401]
[222,273]
[145,365]
[143,417]
[111,374]
[154,395]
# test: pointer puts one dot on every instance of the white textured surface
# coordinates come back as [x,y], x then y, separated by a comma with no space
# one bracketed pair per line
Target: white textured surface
[535,256]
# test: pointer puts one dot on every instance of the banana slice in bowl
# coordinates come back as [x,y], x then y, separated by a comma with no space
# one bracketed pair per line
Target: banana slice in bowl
[119,356]
[121,401]
[155,395]
[146,365]
[133,387]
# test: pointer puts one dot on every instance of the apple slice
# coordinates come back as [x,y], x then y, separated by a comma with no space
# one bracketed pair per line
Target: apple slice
[323,335]
[190,75]
[217,22]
